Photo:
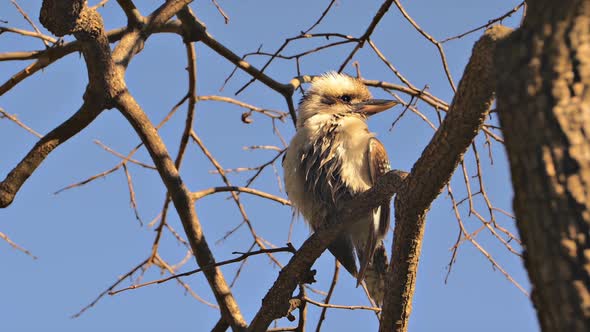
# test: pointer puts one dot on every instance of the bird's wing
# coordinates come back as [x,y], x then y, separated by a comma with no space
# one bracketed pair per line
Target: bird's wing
[378,166]
[378,162]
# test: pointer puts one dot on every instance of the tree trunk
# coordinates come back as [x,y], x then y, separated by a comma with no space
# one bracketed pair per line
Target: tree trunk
[544,106]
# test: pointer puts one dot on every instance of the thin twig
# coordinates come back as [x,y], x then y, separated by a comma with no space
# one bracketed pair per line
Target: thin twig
[322,16]
[329,296]
[376,19]
[220,10]
[483,26]
[13,118]
[206,192]
[338,306]
[288,248]
[110,288]
[131,160]
[28,19]
[27,33]
[431,39]
[132,195]
[16,246]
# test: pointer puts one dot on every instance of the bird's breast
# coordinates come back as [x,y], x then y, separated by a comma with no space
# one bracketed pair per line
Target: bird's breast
[326,163]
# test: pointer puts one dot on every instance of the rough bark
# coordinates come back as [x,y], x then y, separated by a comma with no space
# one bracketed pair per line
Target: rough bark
[543,102]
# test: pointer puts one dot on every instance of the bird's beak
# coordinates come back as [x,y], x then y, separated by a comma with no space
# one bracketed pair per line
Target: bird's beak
[374,106]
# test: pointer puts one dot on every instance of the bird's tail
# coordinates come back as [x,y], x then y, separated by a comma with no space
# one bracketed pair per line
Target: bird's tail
[376,273]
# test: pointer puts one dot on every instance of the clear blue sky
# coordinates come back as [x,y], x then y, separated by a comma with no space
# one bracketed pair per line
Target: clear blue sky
[86,237]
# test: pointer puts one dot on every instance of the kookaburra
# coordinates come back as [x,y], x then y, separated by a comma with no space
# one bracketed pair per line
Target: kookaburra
[333,157]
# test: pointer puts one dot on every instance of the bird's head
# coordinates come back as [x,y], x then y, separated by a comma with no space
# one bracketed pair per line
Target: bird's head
[334,93]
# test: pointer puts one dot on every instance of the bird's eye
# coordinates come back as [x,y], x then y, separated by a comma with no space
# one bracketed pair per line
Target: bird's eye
[346,98]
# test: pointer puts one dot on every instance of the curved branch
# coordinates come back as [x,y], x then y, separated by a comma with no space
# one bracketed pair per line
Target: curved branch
[465,118]
[17,177]
[91,34]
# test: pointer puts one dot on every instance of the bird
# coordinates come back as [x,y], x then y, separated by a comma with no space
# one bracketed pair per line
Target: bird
[332,158]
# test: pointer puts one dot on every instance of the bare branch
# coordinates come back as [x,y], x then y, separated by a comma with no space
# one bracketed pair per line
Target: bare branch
[13,118]
[52,54]
[488,24]
[62,19]
[200,194]
[436,43]
[319,20]
[378,16]
[181,198]
[10,186]
[16,246]
[134,17]
[28,19]
[243,256]
[270,113]
[125,158]
[338,306]
[221,12]
[198,32]
[329,296]
[234,196]
[132,194]
[465,117]
[27,33]
[105,292]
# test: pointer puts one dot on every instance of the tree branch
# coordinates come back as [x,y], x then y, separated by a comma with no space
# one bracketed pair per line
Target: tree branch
[196,31]
[89,30]
[276,302]
[206,192]
[134,17]
[243,256]
[180,196]
[10,186]
[106,82]
[432,172]
[378,16]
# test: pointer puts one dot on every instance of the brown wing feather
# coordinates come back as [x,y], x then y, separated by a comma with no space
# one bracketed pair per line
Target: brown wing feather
[378,159]
[378,165]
